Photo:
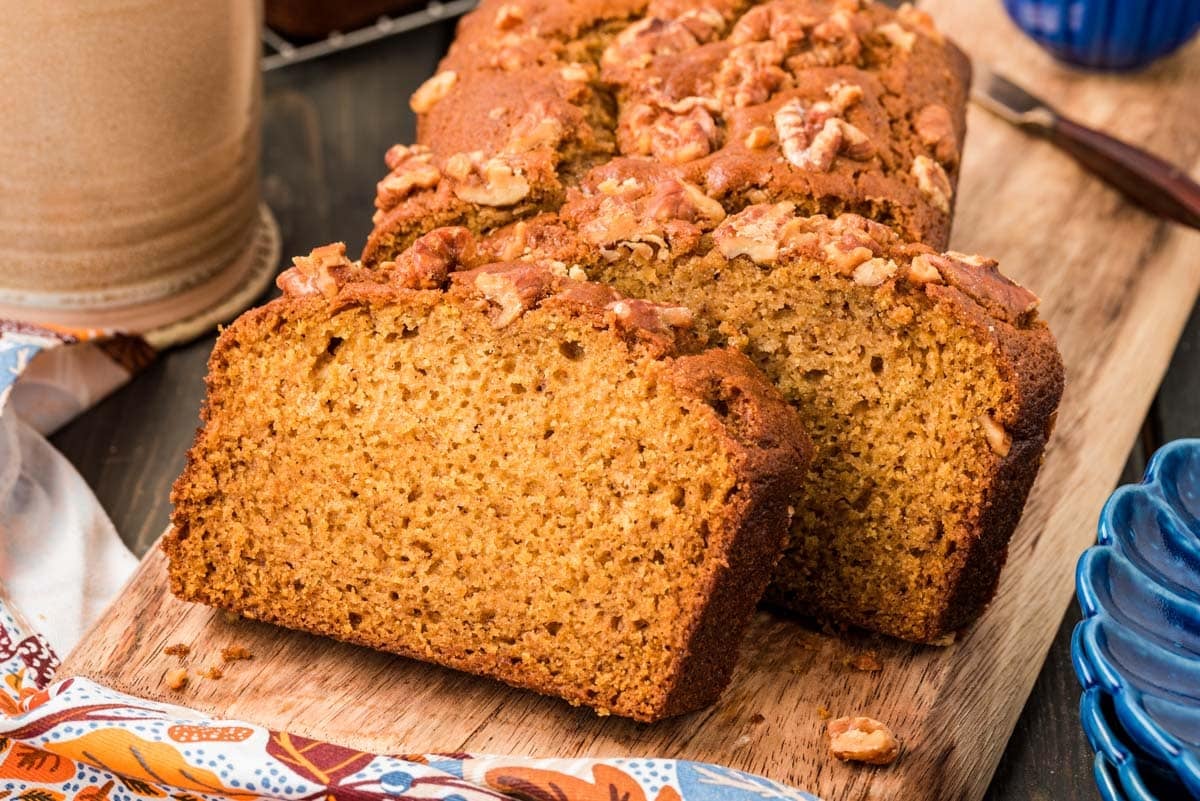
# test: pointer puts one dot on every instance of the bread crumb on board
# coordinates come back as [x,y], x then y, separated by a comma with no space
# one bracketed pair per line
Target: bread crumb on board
[176,679]
[234,653]
[178,649]
[865,662]
[862,739]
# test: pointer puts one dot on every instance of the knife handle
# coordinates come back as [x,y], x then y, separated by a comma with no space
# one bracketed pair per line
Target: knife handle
[1156,185]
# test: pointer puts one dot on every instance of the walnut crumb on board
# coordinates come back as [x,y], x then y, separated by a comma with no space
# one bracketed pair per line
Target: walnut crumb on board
[213,672]
[234,653]
[823,713]
[862,739]
[178,649]
[176,679]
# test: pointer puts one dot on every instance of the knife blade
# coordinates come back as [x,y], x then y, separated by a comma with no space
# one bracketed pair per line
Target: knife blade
[1152,183]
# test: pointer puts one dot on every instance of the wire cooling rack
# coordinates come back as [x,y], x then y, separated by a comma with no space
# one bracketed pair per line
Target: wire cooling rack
[279,52]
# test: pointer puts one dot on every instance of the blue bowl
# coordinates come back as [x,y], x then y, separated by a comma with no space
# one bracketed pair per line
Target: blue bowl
[1107,34]
[1137,650]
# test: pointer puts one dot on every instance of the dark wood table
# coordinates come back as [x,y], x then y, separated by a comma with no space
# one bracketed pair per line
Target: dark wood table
[326,125]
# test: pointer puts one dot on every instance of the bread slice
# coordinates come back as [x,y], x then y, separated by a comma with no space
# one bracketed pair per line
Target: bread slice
[926,381]
[834,105]
[506,471]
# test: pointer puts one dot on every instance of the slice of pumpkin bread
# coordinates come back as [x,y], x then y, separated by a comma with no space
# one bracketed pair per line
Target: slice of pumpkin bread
[503,470]
[925,379]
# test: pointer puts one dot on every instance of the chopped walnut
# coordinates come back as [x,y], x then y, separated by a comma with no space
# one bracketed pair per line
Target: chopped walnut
[509,16]
[846,256]
[490,182]
[512,291]
[428,262]
[855,144]
[973,259]
[759,137]
[638,45]
[922,270]
[318,273]
[842,96]
[680,200]
[832,41]
[791,124]
[998,439]
[703,23]
[650,316]
[675,138]
[750,74]
[818,151]
[897,36]
[625,187]
[686,104]
[933,182]
[433,90]
[861,739]
[411,168]
[757,231]
[176,679]
[874,272]
[575,72]
[812,136]
[913,18]
[213,672]
[774,23]
[935,129]
[535,130]
[838,25]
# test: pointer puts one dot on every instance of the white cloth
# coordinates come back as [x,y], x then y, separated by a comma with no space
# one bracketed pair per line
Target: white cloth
[61,560]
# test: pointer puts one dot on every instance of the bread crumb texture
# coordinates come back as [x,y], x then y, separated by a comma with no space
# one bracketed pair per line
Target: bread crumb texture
[532,495]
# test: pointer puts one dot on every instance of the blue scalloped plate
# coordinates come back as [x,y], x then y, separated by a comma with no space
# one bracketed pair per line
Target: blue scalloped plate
[1137,650]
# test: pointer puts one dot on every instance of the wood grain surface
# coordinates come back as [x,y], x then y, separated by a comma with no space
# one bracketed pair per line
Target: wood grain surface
[1117,287]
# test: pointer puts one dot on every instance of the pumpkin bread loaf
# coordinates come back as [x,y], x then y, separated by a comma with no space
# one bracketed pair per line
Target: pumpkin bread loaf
[925,379]
[832,105]
[504,470]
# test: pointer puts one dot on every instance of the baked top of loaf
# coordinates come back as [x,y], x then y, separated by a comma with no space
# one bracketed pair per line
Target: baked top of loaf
[926,380]
[834,105]
[501,469]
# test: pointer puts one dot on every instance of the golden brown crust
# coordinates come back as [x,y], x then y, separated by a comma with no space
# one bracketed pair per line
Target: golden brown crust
[765,434]
[830,104]
[760,433]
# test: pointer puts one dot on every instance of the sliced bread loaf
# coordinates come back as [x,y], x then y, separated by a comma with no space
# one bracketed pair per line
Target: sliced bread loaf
[504,470]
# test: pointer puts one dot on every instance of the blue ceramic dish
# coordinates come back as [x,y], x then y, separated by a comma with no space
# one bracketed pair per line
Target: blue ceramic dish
[1107,34]
[1137,650]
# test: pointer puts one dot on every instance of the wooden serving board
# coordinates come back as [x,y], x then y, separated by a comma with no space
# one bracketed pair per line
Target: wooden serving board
[1117,287]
